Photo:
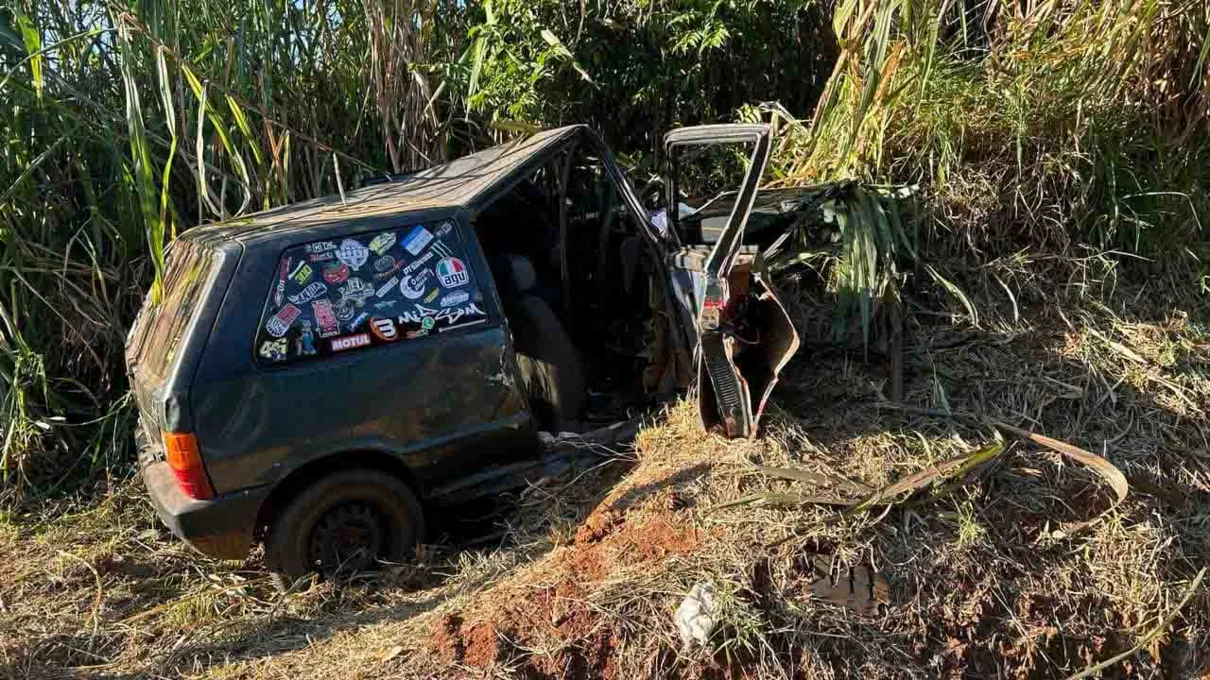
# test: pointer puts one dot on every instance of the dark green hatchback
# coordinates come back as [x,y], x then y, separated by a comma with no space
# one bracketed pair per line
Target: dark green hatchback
[322,376]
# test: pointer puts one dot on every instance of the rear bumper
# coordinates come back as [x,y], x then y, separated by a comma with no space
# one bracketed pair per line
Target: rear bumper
[221,527]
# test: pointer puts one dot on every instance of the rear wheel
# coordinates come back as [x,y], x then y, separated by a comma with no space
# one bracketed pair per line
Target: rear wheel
[345,522]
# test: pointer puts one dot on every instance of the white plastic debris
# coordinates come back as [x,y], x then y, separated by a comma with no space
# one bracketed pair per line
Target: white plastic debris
[695,616]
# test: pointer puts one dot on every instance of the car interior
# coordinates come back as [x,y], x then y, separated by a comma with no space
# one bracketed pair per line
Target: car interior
[576,280]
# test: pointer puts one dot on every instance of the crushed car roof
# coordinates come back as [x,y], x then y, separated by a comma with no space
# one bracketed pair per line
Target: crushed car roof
[465,182]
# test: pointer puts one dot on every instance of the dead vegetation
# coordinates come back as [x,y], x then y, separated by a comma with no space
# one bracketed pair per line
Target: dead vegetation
[1021,566]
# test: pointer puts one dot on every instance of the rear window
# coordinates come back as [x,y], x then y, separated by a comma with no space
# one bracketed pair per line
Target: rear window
[379,288]
[162,327]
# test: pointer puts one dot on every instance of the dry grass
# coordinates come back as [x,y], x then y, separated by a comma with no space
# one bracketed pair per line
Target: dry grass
[984,581]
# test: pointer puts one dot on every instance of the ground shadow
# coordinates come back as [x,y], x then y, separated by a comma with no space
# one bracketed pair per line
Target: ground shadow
[985,614]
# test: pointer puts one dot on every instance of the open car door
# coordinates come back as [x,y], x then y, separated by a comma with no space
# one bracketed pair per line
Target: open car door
[744,336]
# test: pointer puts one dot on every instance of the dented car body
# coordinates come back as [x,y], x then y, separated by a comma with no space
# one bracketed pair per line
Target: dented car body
[424,331]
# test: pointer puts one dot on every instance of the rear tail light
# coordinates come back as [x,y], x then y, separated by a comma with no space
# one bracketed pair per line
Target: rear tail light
[186,463]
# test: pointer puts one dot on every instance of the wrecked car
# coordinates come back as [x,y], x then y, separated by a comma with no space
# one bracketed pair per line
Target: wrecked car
[324,375]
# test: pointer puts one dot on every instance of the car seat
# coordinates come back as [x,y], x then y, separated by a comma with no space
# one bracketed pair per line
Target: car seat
[549,363]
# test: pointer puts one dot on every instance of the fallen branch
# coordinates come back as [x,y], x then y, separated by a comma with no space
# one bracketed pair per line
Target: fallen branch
[889,495]
[1102,467]
[906,487]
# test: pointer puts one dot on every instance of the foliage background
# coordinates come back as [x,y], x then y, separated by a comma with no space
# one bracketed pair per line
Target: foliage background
[1040,133]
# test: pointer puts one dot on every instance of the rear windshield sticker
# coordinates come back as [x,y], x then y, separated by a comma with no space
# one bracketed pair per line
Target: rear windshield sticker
[381,243]
[417,239]
[314,290]
[452,273]
[302,273]
[279,324]
[350,342]
[336,274]
[352,253]
[279,292]
[381,288]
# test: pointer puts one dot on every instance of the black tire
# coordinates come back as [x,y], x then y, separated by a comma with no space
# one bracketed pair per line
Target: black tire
[345,522]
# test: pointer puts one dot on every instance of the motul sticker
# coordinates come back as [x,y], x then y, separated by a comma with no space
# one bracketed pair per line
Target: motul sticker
[336,274]
[417,239]
[382,242]
[384,329]
[350,342]
[325,318]
[352,253]
[279,323]
[302,297]
[452,273]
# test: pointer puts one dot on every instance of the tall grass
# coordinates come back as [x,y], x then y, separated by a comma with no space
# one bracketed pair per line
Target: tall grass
[1051,126]
[1043,124]
[124,125]
[1060,129]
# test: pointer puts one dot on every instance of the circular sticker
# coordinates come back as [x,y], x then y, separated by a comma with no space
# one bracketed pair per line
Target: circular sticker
[452,273]
[384,263]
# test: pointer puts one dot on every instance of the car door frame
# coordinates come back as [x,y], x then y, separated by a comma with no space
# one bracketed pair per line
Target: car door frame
[724,396]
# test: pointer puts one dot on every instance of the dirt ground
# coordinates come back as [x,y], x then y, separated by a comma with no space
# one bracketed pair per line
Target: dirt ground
[1023,567]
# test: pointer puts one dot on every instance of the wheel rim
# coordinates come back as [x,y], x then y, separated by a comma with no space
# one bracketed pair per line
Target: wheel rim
[348,537]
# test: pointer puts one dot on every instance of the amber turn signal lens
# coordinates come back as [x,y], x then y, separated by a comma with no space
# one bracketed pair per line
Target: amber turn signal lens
[186,463]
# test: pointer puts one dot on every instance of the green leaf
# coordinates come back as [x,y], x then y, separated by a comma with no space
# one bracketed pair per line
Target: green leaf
[140,158]
[478,50]
[33,45]
[165,90]
[241,122]
[553,40]
[954,290]
[216,121]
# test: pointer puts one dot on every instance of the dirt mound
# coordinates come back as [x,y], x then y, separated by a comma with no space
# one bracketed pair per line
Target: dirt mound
[542,619]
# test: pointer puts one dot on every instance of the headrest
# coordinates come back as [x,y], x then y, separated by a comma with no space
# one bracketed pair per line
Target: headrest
[521,271]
